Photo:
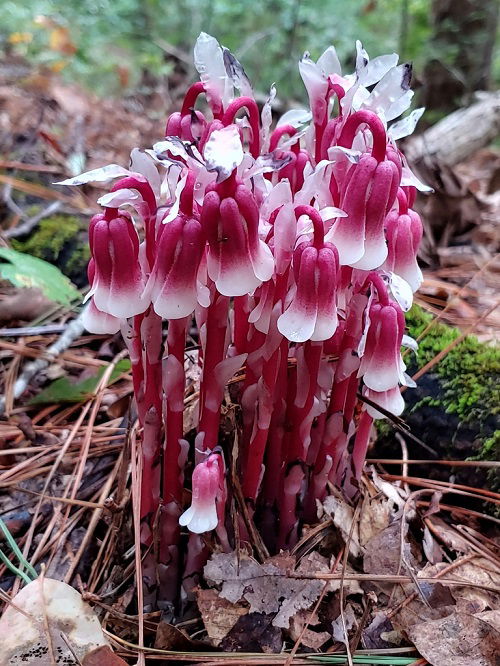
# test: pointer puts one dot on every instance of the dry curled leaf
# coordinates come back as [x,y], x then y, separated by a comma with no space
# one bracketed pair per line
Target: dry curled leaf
[48,622]
[103,656]
[254,632]
[457,640]
[269,587]
[218,614]
[373,518]
[342,515]
[310,637]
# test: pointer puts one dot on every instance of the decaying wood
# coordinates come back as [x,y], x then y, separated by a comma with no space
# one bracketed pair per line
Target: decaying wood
[459,135]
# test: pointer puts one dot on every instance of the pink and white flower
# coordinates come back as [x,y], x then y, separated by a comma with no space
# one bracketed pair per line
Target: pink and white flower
[238,261]
[404,233]
[381,366]
[312,311]
[173,282]
[207,486]
[118,280]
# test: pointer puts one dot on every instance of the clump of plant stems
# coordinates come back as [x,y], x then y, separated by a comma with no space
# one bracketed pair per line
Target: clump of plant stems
[294,249]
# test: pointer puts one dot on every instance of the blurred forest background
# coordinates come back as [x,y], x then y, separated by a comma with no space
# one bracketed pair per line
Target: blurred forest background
[116,46]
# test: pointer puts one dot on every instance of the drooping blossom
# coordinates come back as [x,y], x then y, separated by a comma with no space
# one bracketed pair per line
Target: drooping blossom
[312,312]
[381,365]
[404,233]
[118,280]
[206,487]
[238,261]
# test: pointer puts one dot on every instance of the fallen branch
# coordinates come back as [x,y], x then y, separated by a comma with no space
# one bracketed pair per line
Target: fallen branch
[459,135]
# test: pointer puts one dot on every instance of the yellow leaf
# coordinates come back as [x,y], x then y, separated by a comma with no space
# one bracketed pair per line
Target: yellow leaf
[20,38]
[59,40]
[58,66]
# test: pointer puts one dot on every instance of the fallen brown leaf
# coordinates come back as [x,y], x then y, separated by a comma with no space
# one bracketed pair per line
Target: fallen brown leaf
[254,632]
[103,656]
[310,637]
[218,614]
[24,305]
[457,640]
[269,587]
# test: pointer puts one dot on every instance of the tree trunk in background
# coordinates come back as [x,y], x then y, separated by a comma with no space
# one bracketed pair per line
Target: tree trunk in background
[461,50]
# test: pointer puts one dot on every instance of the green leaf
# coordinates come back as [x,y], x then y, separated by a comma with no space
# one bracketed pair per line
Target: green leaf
[63,390]
[23,270]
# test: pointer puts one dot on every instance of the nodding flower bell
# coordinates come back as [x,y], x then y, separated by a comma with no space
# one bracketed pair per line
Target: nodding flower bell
[207,489]
[404,233]
[391,401]
[238,261]
[312,312]
[180,247]
[180,244]
[118,280]
[368,193]
[381,365]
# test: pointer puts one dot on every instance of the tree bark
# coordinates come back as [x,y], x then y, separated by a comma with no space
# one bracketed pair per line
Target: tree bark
[461,50]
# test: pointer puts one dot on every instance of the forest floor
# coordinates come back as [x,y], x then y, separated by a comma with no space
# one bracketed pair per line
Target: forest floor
[360,586]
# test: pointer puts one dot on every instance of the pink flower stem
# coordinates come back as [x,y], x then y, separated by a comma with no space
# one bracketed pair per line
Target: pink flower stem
[241,325]
[143,337]
[252,471]
[191,96]
[301,417]
[318,224]
[376,280]
[361,442]
[279,133]
[173,473]
[338,449]
[214,352]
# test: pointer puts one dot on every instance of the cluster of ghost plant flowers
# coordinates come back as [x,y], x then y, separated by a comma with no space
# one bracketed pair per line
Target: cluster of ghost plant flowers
[294,250]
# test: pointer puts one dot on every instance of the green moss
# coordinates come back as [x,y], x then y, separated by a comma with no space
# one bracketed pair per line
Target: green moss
[468,374]
[57,240]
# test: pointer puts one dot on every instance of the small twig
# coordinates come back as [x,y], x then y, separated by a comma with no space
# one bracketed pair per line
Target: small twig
[309,620]
[439,575]
[448,463]
[31,330]
[46,623]
[136,463]
[342,581]
[30,223]
[404,466]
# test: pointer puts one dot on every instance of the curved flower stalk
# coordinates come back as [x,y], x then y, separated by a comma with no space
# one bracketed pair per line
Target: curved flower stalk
[293,249]
[382,366]
[371,188]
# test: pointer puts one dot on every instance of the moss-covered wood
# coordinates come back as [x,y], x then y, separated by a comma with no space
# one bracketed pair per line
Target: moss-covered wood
[455,408]
[61,240]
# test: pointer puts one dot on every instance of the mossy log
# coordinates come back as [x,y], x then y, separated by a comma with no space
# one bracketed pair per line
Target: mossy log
[61,240]
[455,408]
